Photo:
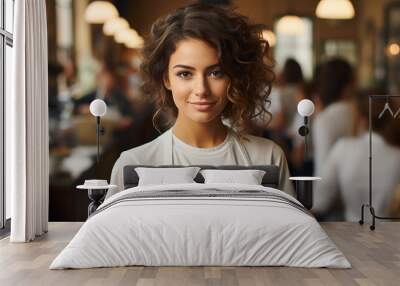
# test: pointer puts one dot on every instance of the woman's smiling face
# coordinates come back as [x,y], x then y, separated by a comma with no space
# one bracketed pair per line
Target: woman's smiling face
[198,84]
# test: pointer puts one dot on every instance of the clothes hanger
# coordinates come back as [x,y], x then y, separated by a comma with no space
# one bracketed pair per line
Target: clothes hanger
[387,107]
[397,113]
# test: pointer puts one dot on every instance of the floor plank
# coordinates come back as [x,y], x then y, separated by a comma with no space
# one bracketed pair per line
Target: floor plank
[374,255]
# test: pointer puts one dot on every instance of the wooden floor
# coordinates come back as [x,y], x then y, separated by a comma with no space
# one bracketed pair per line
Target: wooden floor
[375,257]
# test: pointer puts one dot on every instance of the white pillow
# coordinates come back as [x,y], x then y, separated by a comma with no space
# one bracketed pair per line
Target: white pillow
[165,176]
[248,177]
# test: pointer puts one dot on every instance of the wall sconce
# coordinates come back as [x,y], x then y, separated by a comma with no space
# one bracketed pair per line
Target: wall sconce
[305,108]
[98,108]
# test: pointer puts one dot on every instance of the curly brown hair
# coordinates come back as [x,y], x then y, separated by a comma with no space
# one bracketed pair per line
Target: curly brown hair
[241,50]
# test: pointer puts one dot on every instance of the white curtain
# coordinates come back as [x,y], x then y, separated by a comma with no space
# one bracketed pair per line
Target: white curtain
[27,157]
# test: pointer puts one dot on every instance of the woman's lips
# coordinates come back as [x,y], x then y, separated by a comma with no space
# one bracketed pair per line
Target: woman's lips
[202,106]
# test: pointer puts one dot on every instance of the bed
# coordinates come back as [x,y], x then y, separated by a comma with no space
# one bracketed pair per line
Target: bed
[198,224]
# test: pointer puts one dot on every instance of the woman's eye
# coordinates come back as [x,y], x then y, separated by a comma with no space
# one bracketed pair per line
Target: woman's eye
[217,74]
[184,74]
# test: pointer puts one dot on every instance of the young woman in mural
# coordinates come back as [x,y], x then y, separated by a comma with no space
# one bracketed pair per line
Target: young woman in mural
[206,66]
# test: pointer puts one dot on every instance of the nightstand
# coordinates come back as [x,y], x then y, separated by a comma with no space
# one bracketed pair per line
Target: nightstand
[304,190]
[97,190]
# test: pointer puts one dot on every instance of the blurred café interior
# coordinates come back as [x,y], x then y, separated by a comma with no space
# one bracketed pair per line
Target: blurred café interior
[333,52]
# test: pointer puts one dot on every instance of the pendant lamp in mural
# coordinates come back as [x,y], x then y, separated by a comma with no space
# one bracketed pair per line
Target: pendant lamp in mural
[98,12]
[114,25]
[335,9]
[290,25]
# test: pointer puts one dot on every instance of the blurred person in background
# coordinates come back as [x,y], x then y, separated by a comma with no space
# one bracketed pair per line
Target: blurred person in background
[285,95]
[283,105]
[109,89]
[117,122]
[346,174]
[333,119]
[128,121]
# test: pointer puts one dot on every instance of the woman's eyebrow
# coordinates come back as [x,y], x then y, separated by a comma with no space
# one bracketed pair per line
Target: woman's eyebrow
[192,68]
[184,66]
[213,66]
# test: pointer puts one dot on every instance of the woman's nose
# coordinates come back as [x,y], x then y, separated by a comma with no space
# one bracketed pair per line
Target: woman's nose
[201,87]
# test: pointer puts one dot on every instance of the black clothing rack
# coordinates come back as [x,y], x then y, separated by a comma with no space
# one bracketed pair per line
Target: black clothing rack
[370,205]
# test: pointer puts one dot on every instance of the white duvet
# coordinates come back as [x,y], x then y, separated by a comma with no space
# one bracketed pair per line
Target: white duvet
[183,231]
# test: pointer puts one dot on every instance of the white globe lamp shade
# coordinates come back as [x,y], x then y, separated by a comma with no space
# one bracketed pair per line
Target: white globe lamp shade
[270,37]
[114,25]
[290,25]
[335,9]
[98,107]
[305,108]
[98,12]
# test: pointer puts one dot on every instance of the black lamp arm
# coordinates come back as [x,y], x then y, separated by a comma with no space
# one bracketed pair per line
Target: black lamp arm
[99,132]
